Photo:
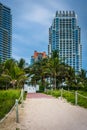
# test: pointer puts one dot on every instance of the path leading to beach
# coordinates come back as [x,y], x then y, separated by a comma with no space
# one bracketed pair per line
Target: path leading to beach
[42,112]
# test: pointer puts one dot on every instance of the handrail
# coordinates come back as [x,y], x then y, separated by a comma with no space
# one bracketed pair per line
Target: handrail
[82,96]
[68,91]
[76,95]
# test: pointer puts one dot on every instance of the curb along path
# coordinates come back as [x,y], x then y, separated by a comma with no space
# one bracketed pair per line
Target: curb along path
[42,112]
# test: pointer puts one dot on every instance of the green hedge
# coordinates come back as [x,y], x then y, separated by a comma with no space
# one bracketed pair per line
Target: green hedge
[70,96]
[82,101]
[7,100]
[55,93]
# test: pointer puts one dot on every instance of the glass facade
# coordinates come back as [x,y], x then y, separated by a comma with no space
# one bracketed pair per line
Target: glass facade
[5,33]
[64,36]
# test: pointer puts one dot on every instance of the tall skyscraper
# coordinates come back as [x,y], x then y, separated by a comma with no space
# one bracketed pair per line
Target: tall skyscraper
[5,33]
[64,36]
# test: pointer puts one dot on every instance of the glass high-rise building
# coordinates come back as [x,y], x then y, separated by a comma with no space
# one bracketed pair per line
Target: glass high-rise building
[5,33]
[65,36]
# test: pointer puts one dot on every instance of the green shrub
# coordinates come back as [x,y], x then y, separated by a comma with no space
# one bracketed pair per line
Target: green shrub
[25,94]
[70,96]
[41,89]
[7,100]
[55,93]
[82,101]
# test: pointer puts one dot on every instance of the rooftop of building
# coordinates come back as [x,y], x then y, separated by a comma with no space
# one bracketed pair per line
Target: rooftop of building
[65,14]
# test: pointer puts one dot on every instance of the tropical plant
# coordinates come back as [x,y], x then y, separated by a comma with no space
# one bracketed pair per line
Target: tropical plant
[11,74]
[21,63]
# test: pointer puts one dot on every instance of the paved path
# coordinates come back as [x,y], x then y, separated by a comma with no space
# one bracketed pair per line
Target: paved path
[38,95]
[50,114]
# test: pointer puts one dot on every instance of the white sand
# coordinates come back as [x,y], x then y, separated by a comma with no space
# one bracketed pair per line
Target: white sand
[47,114]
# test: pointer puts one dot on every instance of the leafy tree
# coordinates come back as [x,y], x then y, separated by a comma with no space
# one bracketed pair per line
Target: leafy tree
[53,65]
[82,74]
[12,74]
[5,81]
[21,63]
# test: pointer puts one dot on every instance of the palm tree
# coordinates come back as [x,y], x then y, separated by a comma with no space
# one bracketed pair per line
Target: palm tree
[53,65]
[5,81]
[62,73]
[15,73]
[82,74]
[71,78]
[37,72]
[21,63]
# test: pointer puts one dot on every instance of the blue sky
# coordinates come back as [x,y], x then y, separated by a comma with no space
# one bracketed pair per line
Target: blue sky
[31,20]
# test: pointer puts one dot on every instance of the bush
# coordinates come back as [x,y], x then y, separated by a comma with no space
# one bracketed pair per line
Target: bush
[54,93]
[70,96]
[41,89]
[7,100]
[82,101]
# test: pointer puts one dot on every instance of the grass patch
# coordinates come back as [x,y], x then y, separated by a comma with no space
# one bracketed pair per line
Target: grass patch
[7,100]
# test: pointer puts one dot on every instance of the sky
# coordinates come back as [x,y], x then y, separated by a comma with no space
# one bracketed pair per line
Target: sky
[31,20]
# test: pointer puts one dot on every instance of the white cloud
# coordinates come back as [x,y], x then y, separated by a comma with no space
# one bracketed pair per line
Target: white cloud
[29,12]
[37,14]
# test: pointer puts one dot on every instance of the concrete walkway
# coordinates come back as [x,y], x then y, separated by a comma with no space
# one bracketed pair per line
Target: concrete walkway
[49,114]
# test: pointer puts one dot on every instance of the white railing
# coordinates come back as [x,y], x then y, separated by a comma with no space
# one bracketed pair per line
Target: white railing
[75,93]
[16,104]
[78,94]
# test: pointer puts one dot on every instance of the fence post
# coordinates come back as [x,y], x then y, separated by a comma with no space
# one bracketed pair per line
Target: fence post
[61,93]
[76,98]
[17,116]
[22,94]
